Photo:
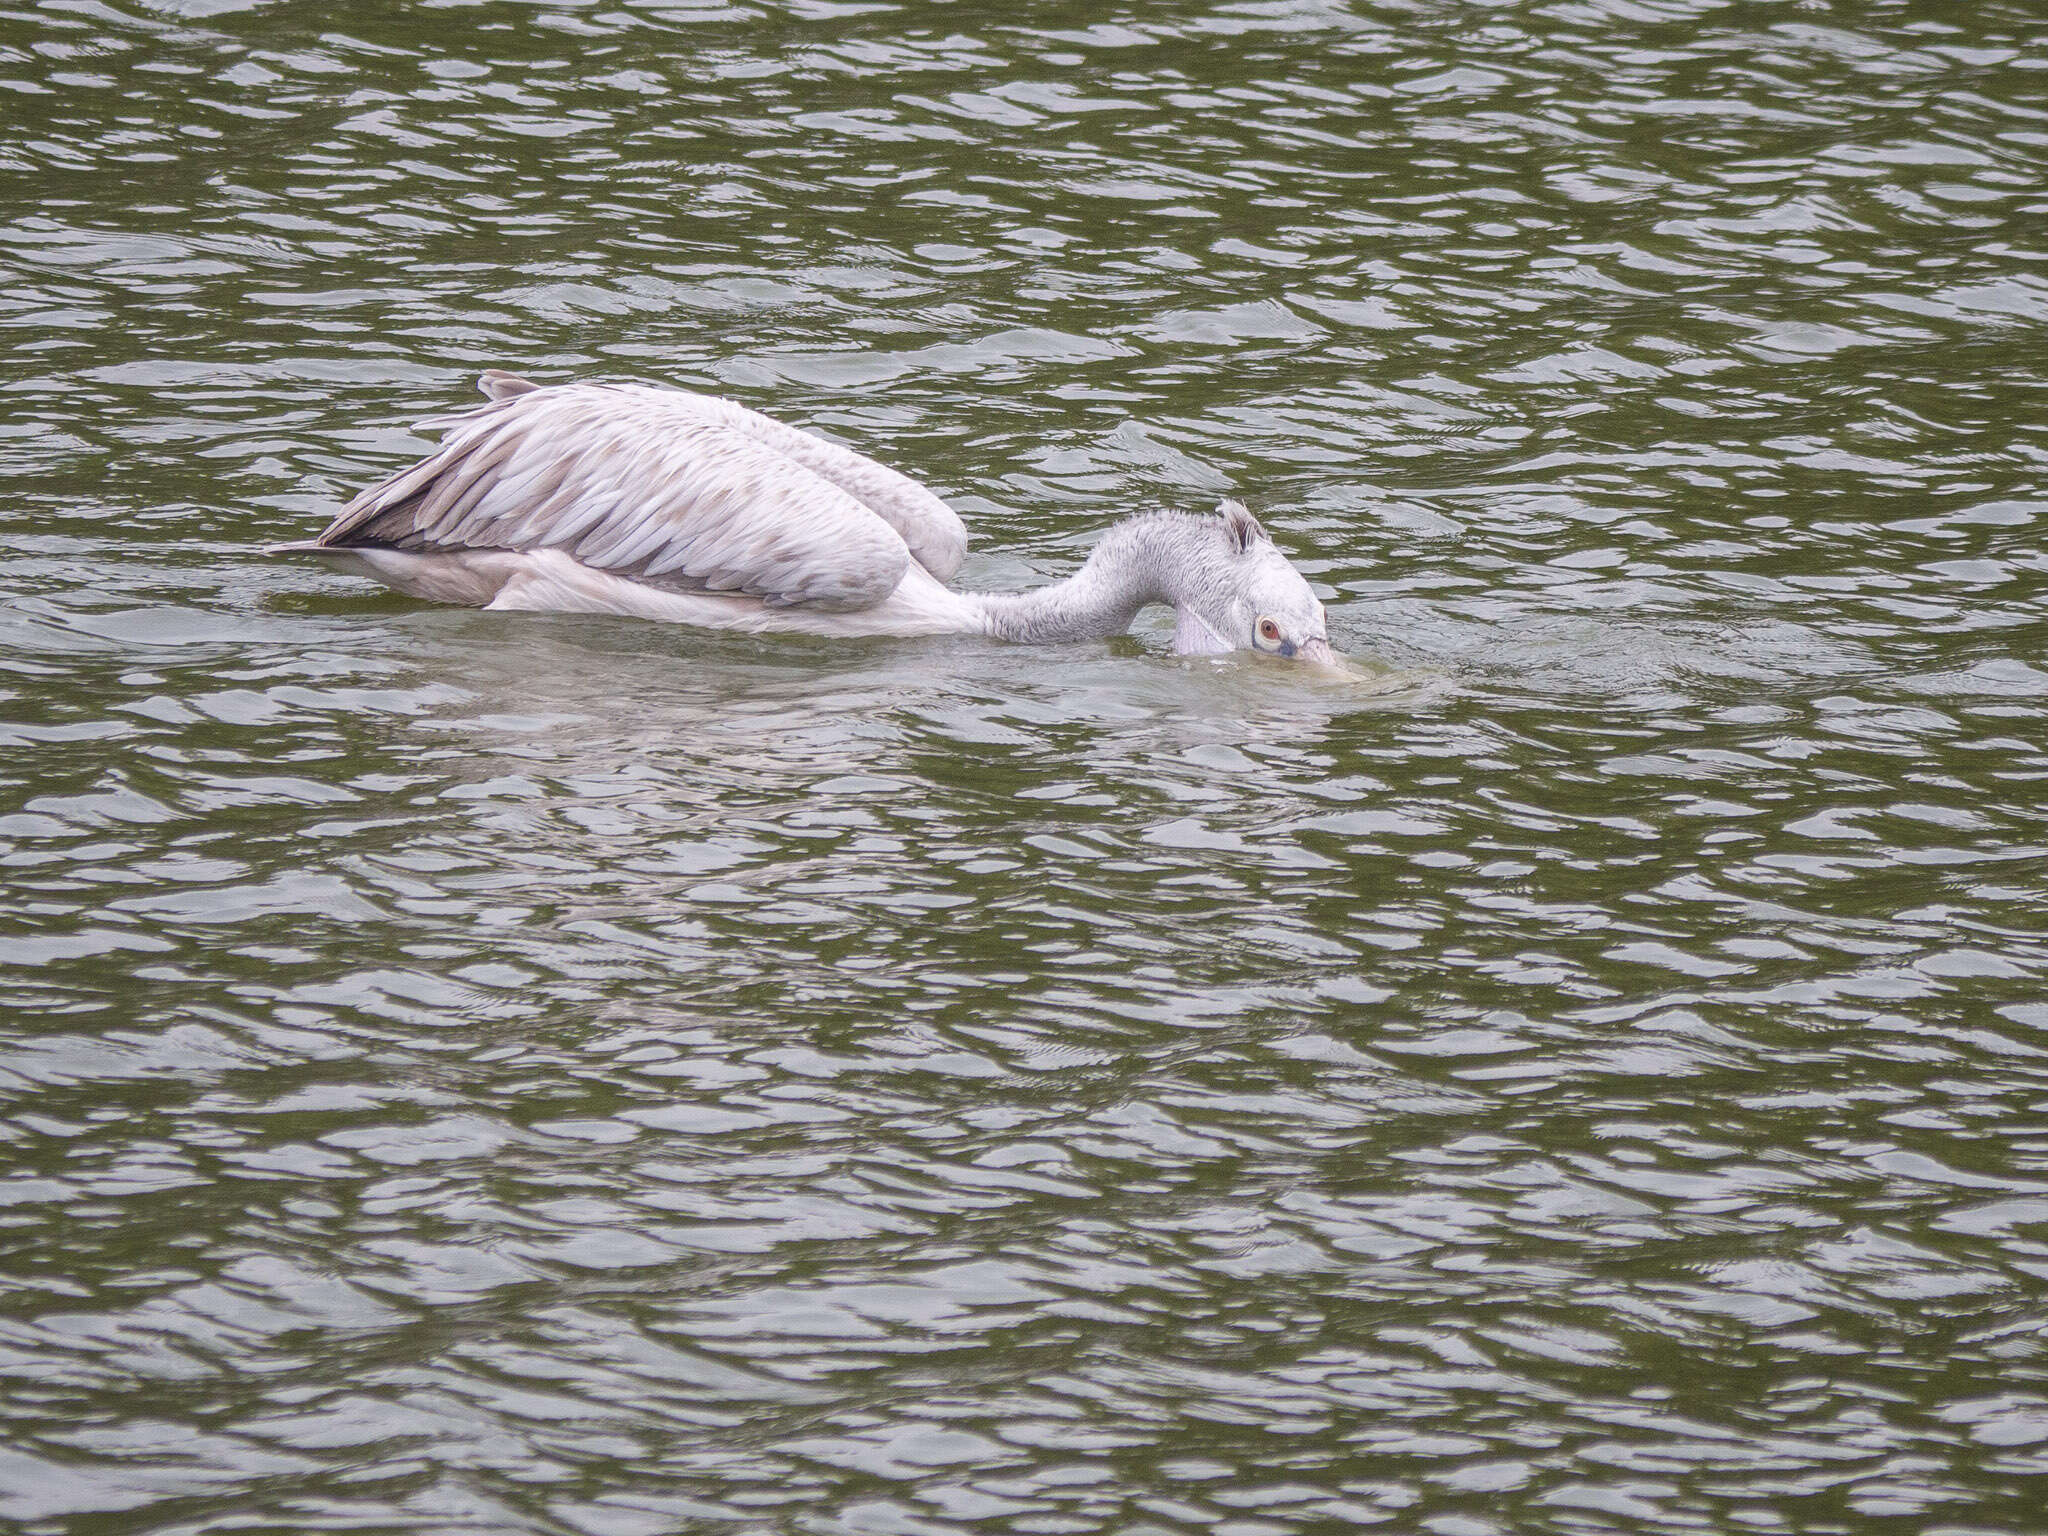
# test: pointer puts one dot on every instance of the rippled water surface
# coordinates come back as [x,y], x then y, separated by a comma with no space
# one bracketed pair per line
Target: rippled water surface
[1586,1073]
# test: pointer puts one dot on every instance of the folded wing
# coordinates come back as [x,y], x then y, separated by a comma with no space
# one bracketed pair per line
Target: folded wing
[665,487]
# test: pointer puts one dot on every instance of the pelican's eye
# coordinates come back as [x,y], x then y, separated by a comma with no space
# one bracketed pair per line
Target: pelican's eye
[1268,630]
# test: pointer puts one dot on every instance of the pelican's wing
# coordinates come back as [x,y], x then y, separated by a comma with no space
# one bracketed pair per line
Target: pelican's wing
[649,483]
[933,531]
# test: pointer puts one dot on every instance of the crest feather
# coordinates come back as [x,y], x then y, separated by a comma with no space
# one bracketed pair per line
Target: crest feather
[1239,526]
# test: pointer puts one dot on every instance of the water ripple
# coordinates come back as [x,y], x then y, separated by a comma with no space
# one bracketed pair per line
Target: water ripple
[1579,1072]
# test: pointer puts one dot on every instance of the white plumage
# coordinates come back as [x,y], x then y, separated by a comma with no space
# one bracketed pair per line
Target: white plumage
[636,499]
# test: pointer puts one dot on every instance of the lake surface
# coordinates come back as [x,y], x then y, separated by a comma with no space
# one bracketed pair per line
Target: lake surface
[464,1073]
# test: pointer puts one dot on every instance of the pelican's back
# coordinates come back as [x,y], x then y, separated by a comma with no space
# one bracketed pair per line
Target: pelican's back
[659,486]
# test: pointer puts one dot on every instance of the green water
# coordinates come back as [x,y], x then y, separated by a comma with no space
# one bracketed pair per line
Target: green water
[464,1073]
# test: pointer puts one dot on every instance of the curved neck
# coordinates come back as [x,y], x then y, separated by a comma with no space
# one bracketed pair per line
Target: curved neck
[1142,560]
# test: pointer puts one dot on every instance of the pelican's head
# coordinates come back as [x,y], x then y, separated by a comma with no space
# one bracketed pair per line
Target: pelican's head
[1249,596]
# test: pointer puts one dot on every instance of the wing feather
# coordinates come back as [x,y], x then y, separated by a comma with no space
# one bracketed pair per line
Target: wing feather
[661,485]
[933,531]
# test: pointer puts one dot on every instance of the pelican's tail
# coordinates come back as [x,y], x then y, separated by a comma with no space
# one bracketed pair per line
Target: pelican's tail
[500,385]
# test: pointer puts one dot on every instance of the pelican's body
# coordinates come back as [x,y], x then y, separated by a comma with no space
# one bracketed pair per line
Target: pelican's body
[634,499]
[549,580]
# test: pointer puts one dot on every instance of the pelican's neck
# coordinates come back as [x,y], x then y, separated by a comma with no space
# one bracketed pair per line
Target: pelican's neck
[1158,557]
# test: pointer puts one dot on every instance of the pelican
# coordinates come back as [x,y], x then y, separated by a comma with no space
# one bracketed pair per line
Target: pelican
[639,499]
